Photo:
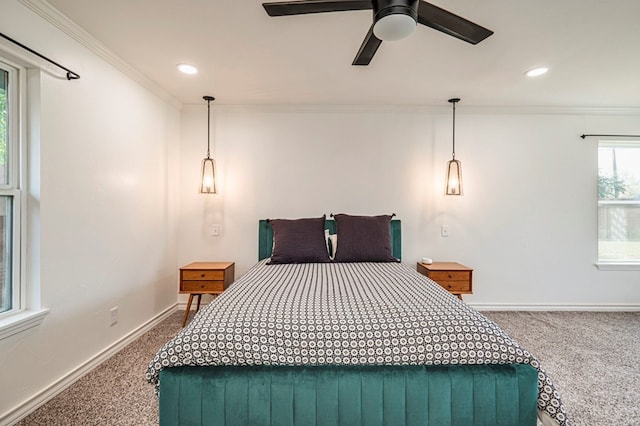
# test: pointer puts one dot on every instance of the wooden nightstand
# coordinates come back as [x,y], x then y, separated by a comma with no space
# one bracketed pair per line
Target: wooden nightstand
[454,277]
[200,278]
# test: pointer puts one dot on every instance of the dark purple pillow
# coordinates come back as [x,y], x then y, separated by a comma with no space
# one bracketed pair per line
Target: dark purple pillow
[363,239]
[299,241]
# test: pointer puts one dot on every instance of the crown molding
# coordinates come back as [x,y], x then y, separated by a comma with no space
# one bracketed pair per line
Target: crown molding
[421,109]
[70,28]
[551,110]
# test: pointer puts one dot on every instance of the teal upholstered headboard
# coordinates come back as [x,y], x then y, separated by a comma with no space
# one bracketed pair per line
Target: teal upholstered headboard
[265,238]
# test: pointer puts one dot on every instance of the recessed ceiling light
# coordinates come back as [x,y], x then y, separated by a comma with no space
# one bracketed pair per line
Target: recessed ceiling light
[535,72]
[187,69]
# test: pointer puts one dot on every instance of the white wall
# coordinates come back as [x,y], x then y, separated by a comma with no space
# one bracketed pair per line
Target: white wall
[526,224]
[108,163]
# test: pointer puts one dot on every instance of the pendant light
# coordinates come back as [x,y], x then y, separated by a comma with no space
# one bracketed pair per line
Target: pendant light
[208,184]
[454,167]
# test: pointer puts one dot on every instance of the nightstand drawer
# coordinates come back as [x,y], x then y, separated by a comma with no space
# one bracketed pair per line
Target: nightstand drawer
[203,275]
[442,276]
[201,286]
[456,286]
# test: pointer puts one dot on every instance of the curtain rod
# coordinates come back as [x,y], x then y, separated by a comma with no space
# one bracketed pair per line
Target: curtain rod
[71,75]
[612,136]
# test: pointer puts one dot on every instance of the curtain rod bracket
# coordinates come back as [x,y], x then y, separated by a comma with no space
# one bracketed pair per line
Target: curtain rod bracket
[71,75]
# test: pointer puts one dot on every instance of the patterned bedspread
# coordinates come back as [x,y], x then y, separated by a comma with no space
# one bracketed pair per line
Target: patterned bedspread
[344,313]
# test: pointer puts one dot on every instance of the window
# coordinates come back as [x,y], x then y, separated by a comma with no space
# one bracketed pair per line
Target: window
[9,191]
[619,202]
[20,303]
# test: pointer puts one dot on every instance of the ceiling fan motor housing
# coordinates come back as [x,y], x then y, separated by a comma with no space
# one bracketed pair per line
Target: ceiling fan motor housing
[394,19]
[382,8]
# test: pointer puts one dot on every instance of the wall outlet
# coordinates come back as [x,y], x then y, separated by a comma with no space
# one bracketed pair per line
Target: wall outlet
[216,230]
[444,230]
[114,316]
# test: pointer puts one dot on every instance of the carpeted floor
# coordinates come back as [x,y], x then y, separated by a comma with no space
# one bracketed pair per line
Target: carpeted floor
[116,392]
[594,359]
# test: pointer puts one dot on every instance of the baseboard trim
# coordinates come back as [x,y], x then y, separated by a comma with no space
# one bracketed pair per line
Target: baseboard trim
[182,305]
[555,307]
[540,307]
[27,407]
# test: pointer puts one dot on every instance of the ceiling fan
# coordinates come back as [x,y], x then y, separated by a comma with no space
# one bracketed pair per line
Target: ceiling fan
[392,20]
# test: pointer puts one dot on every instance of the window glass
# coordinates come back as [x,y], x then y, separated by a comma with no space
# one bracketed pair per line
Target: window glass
[6,289]
[4,128]
[619,201]
[6,285]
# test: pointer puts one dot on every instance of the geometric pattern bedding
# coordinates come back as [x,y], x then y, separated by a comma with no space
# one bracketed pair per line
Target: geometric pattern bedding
[344,314]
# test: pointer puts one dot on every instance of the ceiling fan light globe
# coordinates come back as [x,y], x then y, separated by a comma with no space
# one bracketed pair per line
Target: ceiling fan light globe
[394,27]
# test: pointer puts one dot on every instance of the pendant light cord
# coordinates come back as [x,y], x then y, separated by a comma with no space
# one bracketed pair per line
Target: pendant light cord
[454,131]
[208,127]
[454,101]
[208,99]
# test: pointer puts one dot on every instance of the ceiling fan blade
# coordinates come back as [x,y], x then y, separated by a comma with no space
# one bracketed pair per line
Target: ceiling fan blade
[367,49]
[300,7]
[454,25]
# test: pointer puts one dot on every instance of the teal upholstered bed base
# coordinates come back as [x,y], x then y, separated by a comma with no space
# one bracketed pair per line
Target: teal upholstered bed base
[349,395]
[265,237]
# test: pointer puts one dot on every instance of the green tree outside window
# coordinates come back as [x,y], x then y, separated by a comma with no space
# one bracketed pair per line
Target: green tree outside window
[610,188]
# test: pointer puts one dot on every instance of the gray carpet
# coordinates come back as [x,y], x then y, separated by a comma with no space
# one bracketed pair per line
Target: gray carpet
[594,359]
[114,393]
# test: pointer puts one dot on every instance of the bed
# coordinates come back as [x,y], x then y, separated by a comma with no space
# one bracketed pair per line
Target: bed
[301,340]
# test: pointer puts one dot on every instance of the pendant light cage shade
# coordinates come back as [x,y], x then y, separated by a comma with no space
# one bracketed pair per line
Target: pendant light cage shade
[208,185]
[453,181]
[208,178]
[454,178]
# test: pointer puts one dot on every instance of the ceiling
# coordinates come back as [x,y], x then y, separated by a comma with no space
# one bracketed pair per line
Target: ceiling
[246,57]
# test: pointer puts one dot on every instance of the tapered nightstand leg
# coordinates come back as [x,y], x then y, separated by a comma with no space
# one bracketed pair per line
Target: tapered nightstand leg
[460,296]
[198,305]
[186,313]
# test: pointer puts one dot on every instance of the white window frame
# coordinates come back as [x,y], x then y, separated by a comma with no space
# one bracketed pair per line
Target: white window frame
[615,265]
[26,311]
[12,187]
